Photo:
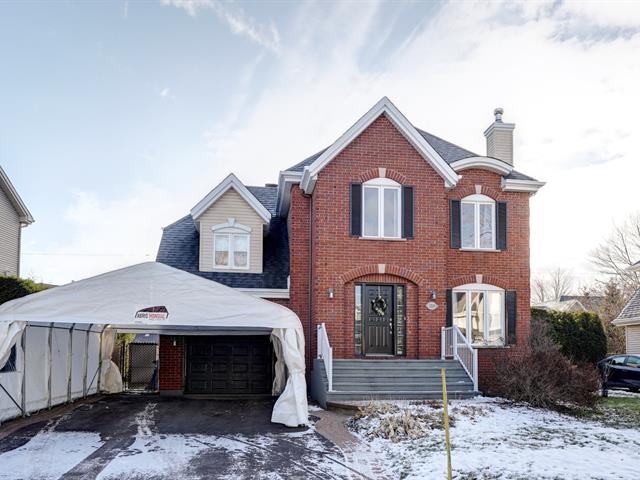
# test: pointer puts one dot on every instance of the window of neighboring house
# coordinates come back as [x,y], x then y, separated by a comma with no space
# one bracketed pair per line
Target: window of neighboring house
[478,311]
[478,222]
[10,366]
[231,242]
[381,208]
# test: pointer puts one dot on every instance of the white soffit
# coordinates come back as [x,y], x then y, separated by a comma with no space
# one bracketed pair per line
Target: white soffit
[527,186]
[230,182]
[386,107]
[484,163]
[14,198]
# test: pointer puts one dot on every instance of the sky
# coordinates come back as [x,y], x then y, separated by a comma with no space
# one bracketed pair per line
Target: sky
[117,117]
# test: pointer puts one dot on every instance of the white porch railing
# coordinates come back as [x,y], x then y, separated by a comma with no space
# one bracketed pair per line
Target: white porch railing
[325,352]
[454,344]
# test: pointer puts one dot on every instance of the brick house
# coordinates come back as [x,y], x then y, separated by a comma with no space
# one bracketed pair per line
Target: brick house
[400,253]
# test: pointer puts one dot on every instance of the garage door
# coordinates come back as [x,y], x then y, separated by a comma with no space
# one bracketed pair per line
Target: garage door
[229,365]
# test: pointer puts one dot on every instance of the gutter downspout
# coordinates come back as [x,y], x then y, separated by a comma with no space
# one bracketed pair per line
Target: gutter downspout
[310,320]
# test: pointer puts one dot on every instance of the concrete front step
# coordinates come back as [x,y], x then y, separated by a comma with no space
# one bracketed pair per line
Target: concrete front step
[415,376]
[408,387]
[337,396]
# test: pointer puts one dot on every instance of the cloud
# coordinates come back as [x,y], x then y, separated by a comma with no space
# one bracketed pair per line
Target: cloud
[263,34]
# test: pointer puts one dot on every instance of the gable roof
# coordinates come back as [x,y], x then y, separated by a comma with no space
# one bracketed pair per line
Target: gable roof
[11,193]
[231,181]
[383,107]
[630,314]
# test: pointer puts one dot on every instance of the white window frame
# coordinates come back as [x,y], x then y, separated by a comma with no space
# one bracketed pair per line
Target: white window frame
[485,289]
[230,230]
[382,184]
[477,200]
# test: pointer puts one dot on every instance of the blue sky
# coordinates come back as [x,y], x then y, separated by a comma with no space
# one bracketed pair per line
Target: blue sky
[117,117]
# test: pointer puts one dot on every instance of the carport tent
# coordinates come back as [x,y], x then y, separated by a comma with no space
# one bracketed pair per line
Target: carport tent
[155,297]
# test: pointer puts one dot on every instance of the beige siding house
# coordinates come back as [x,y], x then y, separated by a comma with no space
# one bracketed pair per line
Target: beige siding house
[13,216]
[629,318]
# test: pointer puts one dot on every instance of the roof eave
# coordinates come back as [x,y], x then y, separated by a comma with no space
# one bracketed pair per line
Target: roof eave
[484,163]
[526,186]
[625,322]
[286,180]
[24,215]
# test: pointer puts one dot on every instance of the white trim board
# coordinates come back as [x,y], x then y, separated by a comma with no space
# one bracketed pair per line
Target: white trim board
[485,163]
[386,107]
[230,182]
[512,185]
[266,292]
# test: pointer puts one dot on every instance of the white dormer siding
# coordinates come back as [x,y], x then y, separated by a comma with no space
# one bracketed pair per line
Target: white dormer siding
[230,205]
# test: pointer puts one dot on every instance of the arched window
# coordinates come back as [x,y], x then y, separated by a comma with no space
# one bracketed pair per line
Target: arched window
[478,222]
[479,313]
[381,209]
[231,242]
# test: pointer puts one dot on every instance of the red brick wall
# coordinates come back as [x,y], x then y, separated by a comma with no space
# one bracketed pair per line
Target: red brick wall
[424,263]
[171,371]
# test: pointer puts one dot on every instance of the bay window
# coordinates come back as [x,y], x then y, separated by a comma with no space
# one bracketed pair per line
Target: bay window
[478,222]
[478,311]
[381,208]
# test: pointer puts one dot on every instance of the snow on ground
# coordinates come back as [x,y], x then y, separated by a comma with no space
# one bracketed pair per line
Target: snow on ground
[48,455]
[494,440]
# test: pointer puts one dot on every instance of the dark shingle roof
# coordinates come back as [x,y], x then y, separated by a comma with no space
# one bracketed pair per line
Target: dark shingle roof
[448,151]
[632,309]
[266,196]
[180,247]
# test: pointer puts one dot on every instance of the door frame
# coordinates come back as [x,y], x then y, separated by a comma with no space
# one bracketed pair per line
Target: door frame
[394,286]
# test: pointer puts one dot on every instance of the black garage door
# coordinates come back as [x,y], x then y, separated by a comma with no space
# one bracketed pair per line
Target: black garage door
[229,365]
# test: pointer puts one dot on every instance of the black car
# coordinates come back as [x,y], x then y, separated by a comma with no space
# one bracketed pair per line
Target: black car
[620,371]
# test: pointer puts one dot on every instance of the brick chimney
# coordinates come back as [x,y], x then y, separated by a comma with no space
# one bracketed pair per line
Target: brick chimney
[499,137]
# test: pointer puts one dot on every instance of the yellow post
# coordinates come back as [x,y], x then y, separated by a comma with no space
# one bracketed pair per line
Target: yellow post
[446,423]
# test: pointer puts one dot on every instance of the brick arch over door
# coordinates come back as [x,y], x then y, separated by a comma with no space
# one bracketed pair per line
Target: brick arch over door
[473,278]
[382,269]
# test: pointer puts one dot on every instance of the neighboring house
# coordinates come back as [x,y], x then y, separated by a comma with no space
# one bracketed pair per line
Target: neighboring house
[566,305]
[629,318]
[378,243]
[13,217]
[590,303]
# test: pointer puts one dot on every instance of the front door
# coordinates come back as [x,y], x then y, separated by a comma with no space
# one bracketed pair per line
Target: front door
[378,319]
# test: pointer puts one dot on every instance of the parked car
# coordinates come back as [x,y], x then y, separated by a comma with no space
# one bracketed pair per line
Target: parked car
[620,371]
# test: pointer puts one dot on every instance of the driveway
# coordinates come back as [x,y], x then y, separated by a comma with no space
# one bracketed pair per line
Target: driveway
[152,437]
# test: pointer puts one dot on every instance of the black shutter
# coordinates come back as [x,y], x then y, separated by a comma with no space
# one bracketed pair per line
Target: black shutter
[407,212]
[511,313]
[455,223]
[449,320]
[356,209]
[501,226]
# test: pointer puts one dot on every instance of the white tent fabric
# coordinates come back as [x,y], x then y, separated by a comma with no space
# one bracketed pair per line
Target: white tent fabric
[116,298]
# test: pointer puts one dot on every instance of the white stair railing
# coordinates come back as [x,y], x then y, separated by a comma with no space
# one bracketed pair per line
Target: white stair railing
[454,344]
[325,352]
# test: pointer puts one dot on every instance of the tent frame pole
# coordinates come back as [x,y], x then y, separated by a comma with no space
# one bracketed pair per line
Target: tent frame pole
[99,361]
[70,362]
[23,343]
[86,361]
[50,363]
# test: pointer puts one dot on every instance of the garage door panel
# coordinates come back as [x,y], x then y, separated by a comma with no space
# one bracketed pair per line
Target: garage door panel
[229,365]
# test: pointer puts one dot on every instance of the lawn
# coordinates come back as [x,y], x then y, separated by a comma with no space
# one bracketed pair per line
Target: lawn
[493,439]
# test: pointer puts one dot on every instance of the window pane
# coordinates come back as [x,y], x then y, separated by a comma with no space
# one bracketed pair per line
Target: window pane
[240,250]
[391,201]
[399,320]
[468,225]
[358,320]
[477,317]
[486,225]
[460,311]
[633,361]
[494,310]
[370,212]
[221,250]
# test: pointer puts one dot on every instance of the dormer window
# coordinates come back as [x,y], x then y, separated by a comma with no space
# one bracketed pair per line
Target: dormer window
[381,208]
[231,245]
[478,222]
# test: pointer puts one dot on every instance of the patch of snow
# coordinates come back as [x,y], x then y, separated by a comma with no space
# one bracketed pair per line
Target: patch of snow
[492,439]
[623,393]
[48,455]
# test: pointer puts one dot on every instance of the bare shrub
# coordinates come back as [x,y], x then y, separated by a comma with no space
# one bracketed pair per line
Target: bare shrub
[543,377]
